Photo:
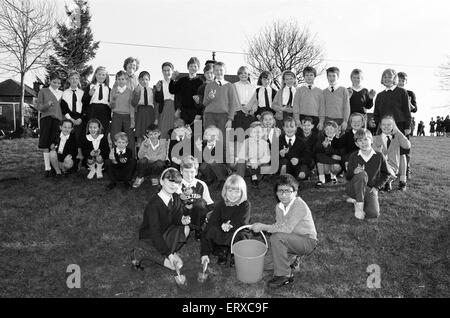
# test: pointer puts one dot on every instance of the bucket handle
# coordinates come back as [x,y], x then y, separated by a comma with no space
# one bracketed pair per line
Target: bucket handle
[246,227]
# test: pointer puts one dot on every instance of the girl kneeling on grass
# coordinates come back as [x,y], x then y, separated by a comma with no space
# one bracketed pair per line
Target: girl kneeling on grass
[95,148]
[228,215]
[164,228]
[293,233]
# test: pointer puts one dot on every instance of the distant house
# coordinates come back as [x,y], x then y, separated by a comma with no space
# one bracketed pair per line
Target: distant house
[10,116]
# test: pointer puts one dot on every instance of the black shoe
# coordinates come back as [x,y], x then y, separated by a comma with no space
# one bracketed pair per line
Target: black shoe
[402,186]
[388,186]
[327,178]
[198,235]
[46,173]
[295,266]
[222,260]
[111,186]
[333,180]
[127,185]
[279,281]
[135,264]
[231,260]
[255,184]
[319,184]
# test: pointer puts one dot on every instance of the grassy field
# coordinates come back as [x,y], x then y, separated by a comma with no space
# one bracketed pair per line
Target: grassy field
[46,225]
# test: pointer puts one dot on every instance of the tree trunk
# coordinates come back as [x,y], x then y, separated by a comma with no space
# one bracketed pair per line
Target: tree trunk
[22,98]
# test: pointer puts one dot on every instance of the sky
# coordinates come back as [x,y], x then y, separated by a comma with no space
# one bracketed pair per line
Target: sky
[408,35]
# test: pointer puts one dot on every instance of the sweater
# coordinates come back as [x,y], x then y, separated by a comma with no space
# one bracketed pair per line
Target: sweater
[44,97]
[394,103]
[121,102]
[376,169]
[360,101]
[186,88]
[160,153]
[225,100]
[298,220]
[309,102]
[391,154]
[337,103]
[157,219]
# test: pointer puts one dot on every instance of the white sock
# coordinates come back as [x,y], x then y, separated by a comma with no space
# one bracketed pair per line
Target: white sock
[47,161]
[254,177]
[322,178]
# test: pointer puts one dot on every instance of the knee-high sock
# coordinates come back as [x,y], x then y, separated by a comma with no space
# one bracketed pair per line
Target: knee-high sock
[47,161]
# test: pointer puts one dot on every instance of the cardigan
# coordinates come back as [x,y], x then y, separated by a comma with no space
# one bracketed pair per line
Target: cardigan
[44,97]
[225,100]
[309,102]
[158,218]
[360,101]
[298,220]
[160,153]
[376,169]
[394,103]
[70,147]
[186,88]
[337,103]
[392,154]
[87,146]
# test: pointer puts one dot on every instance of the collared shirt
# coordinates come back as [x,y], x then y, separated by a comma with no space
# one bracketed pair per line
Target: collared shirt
[286,95]
[67,97]
[245,91]
[62,142]
[165,197]
[105,92]
[165,88]
[120,151]
[354,131]
[310,86]
[155,146]
[270,134]
[366,158]
[149,96]
[335,87]
[291,138]
[95,142]
[356,89]
[286,210]
[121,89]
[391,88]
[56,92]
[211,145]
[384,137]
[262,98]
[221,82]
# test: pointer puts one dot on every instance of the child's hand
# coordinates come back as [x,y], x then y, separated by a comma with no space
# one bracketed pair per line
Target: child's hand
[228,124]
[175,75]
[256,227]
[123,160]
[326,142]
[93,153]
[372,94]
[374,190]
[196,99]
[212,94]
[132,123]
[283,151]
[320,126]
[50,103]
[155,122]
[226,227]
[294,161]
[111,155]
[158,86]
[336,157]
[185,220]
[350,92]
[343,126]
[177,113]
[204,259]
[92,91]
[254,166]
[358,169]
[52,147]
[199,144]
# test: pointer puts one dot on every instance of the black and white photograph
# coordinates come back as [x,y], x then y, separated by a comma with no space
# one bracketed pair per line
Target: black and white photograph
[228,154]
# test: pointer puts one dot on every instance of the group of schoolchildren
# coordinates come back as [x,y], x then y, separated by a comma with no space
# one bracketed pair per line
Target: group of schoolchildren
[133,129]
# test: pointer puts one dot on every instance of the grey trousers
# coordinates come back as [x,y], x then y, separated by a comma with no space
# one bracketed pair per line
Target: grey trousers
[357,189]
[285,246]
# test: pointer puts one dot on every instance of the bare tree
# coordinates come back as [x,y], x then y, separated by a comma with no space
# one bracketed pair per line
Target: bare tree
[283,45]
[26,28]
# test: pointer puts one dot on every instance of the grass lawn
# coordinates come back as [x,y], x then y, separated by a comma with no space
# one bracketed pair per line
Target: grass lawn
[46,225]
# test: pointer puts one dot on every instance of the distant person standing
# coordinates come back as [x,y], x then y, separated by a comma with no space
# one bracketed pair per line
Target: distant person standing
[432,127]
[421,129]
[438,126]
[447,125]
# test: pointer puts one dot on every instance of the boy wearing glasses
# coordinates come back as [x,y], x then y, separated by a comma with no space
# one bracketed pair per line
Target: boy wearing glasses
[293,233]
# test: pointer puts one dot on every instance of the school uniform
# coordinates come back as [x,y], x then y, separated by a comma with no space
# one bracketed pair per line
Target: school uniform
[347,145]
[72,109]
[88,144]
[252,151]
[123,167]
[375,175]
[64,146]
[293,233]
[214,237]
[309,102]
[360,101]
[152,158]
[389,146]
[123,116]
[213,165]
[51,116]
[262,100]
[432,126]
[186,88]
[310,142]
[197,194]
[161,232]
[222,107]
[337,104]
[97,105]
[178,148]
[144,104]
[242,119]
[323,154]
[285,97]
[166,108]
[296,149]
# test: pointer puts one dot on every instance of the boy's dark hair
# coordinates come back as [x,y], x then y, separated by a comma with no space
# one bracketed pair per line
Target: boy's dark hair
[309,69]
[65,120]
[129,60]
[361,133]
[208,67]
[264,74]
[144,73]
[193,60]
[152,127]
[331,123]
[333,69]
[285,180]
[167,64]
[54,75]
[402,75]
[172,174]
[212,62]
[289,120]
[121,73]
[307,118]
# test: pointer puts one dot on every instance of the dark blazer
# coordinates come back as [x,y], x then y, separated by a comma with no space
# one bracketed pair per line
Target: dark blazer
[70,148]
[123,159]
[298,150]
[87,147]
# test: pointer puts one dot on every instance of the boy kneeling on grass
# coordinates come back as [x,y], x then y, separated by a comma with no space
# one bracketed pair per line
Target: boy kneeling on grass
[164,228]
[64,150]
[293,232]
[121,164]
[367,172]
